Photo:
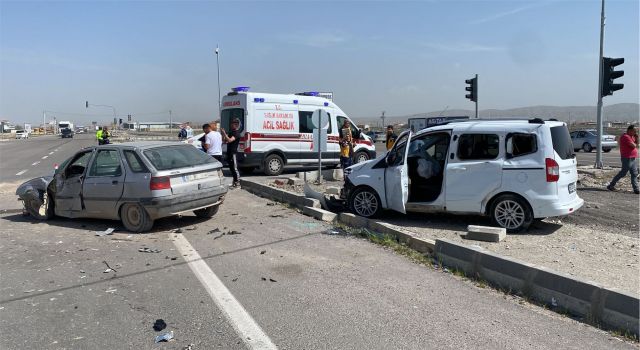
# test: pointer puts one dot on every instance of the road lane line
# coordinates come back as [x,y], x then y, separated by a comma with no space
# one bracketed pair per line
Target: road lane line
[45,157]
[50,153]
[21,172]
[246,327]
[36,163]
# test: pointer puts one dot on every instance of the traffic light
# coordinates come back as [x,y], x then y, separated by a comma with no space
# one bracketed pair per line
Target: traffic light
[472,89]
[609,75]
[120,121]
[86,104]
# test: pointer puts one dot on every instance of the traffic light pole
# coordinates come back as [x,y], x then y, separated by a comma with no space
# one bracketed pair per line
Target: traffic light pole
[598,164]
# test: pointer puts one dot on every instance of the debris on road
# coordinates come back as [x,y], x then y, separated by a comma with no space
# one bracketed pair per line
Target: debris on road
[112,290]
[262,252]
[109,267]
[108,231]
[272,280]
[234,233]
[177,230]
[213,231]
[149,250]
[271,204]
[276,215]
[189,347]
[235,279]
[554,303]
[191,228]
[159,325]
[164,337]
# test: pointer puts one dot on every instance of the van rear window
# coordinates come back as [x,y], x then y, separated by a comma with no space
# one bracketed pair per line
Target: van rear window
[229,114]
[562,143]
[175,157]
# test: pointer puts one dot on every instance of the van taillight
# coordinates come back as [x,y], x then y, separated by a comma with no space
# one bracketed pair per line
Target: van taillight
[553,170]
[160,183]
[247,142]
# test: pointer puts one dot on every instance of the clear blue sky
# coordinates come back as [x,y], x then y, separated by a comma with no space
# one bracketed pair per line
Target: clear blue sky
[401,57]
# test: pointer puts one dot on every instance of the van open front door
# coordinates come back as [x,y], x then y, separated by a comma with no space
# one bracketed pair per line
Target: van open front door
[396,175]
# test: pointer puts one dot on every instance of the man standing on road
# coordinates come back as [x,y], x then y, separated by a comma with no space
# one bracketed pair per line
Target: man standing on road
[99,135]
[391,137]
[628,156]
[213,141]
[346,145]
[104,140]
[232,140]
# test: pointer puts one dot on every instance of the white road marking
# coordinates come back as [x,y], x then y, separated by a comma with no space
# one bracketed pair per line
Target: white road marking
[36,163]
[45,157]
[21,172]
[246,327]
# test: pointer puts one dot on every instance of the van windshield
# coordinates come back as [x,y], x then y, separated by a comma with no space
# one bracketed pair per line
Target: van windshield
[230,114]
[562,143]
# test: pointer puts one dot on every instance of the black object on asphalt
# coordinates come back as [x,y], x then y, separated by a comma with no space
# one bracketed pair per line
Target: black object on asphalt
[159,325]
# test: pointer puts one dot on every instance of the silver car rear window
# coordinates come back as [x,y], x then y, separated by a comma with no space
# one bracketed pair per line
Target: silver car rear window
[174,157]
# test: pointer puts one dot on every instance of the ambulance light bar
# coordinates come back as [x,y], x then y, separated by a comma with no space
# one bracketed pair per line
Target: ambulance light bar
[240,89]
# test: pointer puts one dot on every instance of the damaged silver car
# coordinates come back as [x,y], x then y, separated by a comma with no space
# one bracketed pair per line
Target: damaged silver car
[135,183]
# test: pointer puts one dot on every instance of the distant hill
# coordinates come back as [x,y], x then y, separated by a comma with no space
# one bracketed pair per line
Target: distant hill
[624,112]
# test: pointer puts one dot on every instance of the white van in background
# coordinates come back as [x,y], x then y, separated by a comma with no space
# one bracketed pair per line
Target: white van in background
[276,130]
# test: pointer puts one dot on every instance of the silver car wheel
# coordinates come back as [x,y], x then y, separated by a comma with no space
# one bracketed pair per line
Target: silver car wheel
[365,203]
[133,215]
[509,214]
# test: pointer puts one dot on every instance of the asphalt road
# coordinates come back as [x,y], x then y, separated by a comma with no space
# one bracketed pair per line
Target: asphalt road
[301,288]
[26,159]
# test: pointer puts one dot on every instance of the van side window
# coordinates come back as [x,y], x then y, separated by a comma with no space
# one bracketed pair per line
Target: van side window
[306,124]
[478,146]
[523,144]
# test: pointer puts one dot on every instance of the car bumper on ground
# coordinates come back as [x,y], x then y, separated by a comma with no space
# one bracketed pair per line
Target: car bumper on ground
[177,204]
[552,208]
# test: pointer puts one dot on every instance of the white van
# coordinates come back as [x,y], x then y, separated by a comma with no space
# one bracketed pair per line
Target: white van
[276,130]
[512,170]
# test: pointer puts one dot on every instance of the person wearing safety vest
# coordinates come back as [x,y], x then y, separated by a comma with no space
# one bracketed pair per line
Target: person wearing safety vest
[99,135]
[391,137]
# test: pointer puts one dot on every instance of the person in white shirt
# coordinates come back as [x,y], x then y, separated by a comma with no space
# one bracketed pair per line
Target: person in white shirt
[212,142]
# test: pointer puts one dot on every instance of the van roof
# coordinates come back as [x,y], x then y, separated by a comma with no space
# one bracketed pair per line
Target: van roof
[495,124]
[285,98]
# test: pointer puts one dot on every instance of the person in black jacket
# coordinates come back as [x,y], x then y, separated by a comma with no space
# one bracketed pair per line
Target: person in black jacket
[232,139]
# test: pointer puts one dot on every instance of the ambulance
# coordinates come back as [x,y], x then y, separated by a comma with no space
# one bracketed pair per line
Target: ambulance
[276,130]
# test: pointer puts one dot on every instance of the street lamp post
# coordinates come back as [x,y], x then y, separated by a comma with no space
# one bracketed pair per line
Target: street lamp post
[218,65]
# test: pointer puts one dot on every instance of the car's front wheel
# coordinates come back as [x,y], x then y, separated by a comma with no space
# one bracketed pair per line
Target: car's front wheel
[511,212]
[365,202]
[135,218]
[587,147]
[207,212]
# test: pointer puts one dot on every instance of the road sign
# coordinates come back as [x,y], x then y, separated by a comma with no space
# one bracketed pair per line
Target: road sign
[322,140]
[324,119]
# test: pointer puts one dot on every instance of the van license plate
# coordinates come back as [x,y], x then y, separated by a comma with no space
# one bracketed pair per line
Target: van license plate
[572,187]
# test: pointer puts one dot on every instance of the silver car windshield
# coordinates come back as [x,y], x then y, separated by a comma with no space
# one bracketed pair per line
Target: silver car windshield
[174,157]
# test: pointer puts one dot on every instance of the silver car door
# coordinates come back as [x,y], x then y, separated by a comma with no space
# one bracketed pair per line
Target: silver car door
[104,184]
[68,187]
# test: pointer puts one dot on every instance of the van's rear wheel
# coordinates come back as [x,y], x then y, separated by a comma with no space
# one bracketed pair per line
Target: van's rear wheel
[512,213]
[135,218]
[273,165]
[361,157]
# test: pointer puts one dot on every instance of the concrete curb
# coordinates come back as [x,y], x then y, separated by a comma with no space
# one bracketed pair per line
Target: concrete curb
[601,306]
[598,305]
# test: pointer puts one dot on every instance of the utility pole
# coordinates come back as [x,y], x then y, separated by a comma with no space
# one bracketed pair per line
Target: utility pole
[44,122]
[598,164]
[218,64]
[382,117]
[170,124]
